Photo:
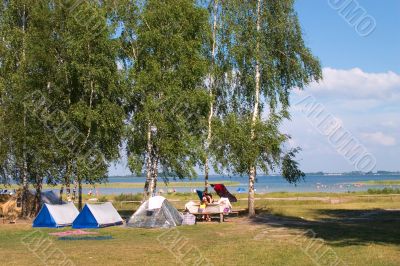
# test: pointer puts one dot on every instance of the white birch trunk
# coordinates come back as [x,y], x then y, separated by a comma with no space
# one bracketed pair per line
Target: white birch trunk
[211,87]
[154,175]
[25,185]
[252,170]
[148,164]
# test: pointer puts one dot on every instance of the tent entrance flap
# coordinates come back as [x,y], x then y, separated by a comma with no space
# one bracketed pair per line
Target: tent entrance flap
[44,219]
[85,219]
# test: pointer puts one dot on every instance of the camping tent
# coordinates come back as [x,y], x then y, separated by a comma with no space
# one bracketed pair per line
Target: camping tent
[54,216]
[156,212]
[97,215]
[50,197]
[240,190]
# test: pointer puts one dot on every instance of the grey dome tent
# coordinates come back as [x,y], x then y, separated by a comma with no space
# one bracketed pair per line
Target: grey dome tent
[156,212]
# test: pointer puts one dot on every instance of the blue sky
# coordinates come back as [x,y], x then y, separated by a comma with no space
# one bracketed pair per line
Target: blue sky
[339,46]
[361,87]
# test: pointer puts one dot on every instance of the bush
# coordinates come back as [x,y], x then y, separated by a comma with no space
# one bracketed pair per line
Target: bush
[129,197]
[102,199]
[384,191]
[180,194]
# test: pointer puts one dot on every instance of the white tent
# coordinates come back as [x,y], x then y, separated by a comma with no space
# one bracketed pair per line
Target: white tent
[154,213]
[54,216]
[97,215]
[156,202]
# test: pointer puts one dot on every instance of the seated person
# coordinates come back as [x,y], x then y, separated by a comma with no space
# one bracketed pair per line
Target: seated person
[207,199]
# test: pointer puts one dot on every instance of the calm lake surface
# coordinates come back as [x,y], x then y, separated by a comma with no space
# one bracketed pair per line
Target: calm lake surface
[265,184]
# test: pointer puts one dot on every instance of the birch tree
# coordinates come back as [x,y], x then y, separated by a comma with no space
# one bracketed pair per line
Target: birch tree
[89,96]
[265,47]
[22,71]
[211,89]
[167,66]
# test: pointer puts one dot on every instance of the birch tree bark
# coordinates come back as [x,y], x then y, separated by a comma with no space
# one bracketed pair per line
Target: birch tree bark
[252,170]
[25,184]
[211,94]
[80,205]
[147,185]
[154,174]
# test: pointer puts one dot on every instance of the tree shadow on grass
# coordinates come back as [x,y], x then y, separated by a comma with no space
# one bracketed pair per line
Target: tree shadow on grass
[343,227]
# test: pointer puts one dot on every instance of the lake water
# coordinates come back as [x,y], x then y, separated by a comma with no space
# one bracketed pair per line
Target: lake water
[265,184]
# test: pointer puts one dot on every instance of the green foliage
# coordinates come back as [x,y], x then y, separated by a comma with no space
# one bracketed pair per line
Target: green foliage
[290,167]
[61,103]
[235,150]
[71,88]
[102,199]
[166,90]
[129,197]
[28,150]
[284,62]
[384,191]
[88,93]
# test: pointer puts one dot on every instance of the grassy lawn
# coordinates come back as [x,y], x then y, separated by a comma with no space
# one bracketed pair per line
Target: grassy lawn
[356,231]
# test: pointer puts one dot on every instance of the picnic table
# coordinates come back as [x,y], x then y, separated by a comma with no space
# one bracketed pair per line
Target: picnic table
[211,209]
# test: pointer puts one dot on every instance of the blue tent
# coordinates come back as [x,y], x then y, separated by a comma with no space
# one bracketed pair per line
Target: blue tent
[96,216]
[54,216]
[241,190]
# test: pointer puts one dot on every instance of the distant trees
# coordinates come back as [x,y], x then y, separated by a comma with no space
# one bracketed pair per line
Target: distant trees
[182,87]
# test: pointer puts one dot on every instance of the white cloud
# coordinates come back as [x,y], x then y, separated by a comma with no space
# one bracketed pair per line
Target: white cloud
[379,138]
[358,104]
[367,105]
[389,124]
[357,84]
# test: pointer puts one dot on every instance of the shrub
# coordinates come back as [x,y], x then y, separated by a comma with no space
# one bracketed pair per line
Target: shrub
[384,191]
[129,197]
[102,199]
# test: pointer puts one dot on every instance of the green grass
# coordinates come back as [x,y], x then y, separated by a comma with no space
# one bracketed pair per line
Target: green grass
[361,230]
